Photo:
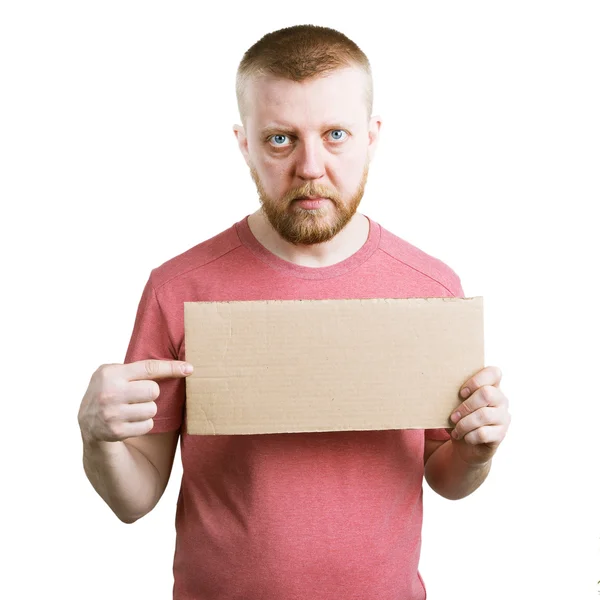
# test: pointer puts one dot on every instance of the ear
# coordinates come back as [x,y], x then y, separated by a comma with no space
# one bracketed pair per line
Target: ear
[374,130]
[242,140]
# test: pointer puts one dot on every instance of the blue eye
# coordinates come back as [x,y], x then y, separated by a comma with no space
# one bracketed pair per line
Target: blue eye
[279,138]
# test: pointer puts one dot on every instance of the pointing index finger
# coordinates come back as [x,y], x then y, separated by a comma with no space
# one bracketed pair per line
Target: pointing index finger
[158,369]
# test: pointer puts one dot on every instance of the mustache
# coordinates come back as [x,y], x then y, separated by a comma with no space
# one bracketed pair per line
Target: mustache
[312,192]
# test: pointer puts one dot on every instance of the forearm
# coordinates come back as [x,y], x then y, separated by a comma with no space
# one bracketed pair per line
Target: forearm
[448,475]
[123,477]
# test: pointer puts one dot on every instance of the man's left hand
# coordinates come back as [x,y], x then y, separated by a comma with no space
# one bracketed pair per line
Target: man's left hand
[482,420]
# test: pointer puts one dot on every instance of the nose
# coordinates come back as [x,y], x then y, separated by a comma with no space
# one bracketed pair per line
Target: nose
[310,163]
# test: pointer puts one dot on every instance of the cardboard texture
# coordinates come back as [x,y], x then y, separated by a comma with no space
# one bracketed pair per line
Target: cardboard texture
[283,366]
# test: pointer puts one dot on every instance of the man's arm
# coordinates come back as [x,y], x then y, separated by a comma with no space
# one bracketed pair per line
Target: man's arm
[457,467]
[448,474]
[132,475]
[127,465]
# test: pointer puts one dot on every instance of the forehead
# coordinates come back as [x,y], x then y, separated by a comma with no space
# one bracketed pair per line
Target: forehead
[337,96]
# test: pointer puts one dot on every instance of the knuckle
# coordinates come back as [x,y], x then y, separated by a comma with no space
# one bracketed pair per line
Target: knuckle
[470,438]
[108,414]
[482,435]
[475,437]
[476,418]
[476,381]
[151,368]
[106,397]
[154,390]
[486,415]
[117,431]
[152,409]
[101,369]
[106,383]
[487,392]
[467,406]
[103,372]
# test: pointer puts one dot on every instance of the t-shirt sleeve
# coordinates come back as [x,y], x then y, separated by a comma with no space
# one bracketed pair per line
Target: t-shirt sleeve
[455,287]
[150,339]
[440,435]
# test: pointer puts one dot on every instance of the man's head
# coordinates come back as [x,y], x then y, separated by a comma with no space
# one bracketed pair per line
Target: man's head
[305,97]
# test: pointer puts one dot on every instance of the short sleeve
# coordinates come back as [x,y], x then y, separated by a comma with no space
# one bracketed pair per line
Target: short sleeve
[440,435]
[150,339]
[455,286]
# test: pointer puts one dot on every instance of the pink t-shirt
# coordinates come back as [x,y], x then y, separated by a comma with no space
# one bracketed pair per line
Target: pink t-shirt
[301,515]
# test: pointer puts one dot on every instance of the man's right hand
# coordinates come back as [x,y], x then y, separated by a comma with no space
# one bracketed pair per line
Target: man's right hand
[119,402]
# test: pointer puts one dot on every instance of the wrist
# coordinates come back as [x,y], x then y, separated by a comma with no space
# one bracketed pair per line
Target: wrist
[93,445]
[470,460]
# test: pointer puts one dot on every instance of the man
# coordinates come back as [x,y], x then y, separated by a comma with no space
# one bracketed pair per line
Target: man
[282,516]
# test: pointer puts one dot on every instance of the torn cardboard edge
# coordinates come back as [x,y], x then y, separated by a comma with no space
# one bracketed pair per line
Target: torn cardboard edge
[290,366]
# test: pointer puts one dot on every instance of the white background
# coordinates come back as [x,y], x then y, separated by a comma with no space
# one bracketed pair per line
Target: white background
[117,154]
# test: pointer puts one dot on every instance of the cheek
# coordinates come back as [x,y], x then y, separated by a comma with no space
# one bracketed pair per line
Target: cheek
[274,171]
[271,167]
[273,179]
[349,175]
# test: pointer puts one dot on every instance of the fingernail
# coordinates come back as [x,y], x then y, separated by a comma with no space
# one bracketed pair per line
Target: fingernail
[455,417]
[455,435]
[465,392]
[187,368]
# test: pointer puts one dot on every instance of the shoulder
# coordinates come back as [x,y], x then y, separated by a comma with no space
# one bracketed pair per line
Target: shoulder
[403,251]
[202,254]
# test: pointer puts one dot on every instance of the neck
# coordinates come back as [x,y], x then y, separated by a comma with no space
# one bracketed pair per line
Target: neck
[348,241]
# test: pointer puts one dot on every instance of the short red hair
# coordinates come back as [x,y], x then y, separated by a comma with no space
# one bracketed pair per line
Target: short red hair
[299,53]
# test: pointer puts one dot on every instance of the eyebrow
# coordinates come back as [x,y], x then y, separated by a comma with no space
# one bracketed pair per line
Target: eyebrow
[274,128]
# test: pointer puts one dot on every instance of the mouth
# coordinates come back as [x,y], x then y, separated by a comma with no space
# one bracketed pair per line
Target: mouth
[310,202]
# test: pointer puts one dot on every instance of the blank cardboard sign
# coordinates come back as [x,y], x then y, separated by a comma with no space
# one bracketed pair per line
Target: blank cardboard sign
[278,366]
